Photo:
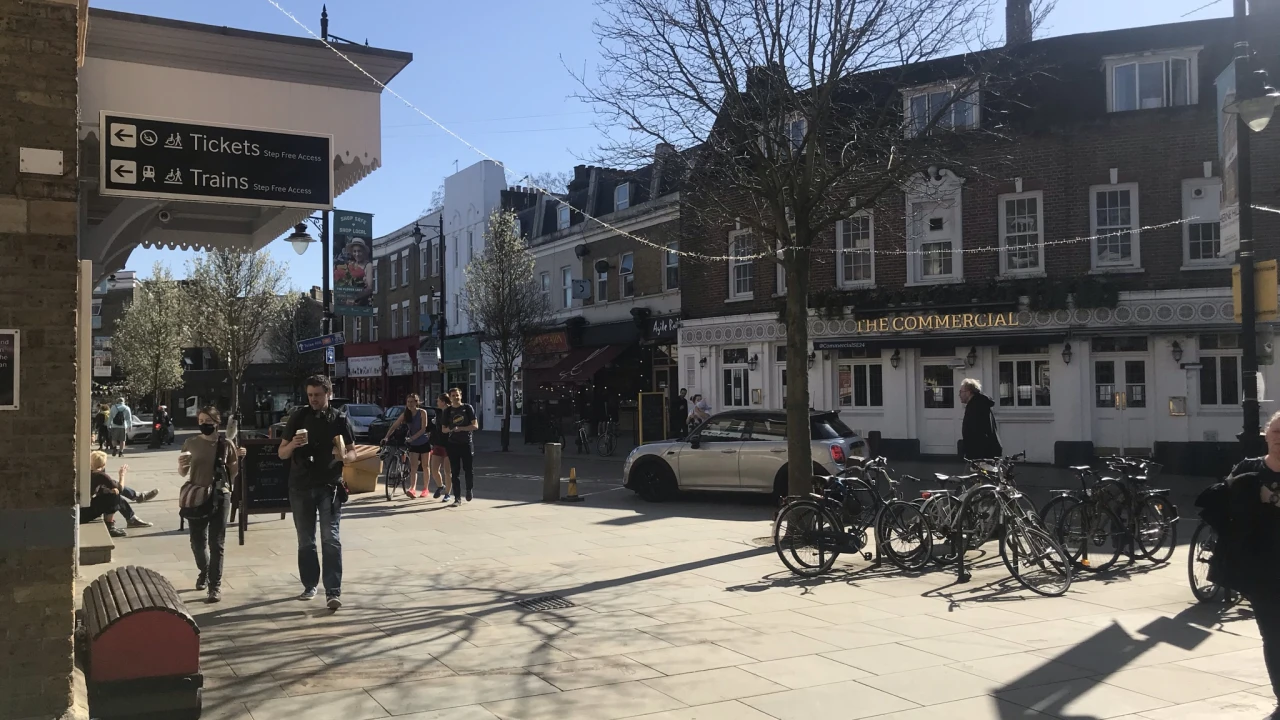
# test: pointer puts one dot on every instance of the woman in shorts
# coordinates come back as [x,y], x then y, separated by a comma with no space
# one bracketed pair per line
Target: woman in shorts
[438,460]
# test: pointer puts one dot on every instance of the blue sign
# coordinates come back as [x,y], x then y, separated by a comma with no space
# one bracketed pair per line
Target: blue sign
[324,341]
[330,357]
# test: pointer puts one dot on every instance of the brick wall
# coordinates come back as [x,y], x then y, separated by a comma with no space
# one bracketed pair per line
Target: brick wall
[38,296]
[648,262]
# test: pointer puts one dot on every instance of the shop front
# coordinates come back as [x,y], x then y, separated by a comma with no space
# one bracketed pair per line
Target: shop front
[364,378]
[1157,375]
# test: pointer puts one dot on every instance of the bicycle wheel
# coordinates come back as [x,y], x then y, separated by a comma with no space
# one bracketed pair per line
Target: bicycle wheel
[981,520]
[390,472]
[1035,560]
[940,511]
[1092,536]
[409,478]
[1052,512]
[1156,528]
[1203,541]
[806,538]
[903,535]
[606,444]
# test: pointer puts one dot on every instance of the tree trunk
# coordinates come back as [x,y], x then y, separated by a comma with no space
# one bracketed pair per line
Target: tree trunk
[506,414]
[799,448]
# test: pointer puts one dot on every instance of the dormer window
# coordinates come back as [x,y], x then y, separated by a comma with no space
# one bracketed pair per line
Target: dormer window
[955,105]
[562,217]
[1152,80]
[622,196]
[795,127]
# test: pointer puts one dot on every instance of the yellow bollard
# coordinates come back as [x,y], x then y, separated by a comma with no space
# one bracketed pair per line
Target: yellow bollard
[573,495]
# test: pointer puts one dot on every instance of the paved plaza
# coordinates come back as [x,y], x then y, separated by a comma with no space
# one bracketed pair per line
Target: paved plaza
[677,614]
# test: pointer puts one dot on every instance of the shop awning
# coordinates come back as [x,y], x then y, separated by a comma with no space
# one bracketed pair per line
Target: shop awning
[934,342]
[579,366]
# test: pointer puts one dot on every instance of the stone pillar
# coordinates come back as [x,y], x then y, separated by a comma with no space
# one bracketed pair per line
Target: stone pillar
[38,296]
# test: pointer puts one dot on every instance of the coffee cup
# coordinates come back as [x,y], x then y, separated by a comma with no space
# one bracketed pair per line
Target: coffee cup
[301,437]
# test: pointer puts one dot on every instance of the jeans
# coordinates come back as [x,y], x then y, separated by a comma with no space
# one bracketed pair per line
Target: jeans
[460,461]
[106,504]
[208,542]
[306,503]
[129,493]
[1266,610]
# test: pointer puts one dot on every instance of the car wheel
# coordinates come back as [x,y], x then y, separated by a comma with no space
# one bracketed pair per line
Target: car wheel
[653,482]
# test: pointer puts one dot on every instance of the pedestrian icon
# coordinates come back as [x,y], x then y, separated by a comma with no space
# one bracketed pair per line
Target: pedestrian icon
[149,138]
[174,177]
[148,173]
[123,135]
[124,172]
[174,142]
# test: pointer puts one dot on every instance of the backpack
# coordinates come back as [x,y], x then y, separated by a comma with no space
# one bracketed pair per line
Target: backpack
[197,502]
[118,418]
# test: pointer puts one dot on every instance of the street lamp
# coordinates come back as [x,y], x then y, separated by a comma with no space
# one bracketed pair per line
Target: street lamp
[300,239]
[1255,101]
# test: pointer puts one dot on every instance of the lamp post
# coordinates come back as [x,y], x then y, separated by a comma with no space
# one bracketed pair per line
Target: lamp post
[440,323]
[1253,106]
[301,241]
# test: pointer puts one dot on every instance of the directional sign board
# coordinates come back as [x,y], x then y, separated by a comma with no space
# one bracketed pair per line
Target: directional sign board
[324,341]
[178,160]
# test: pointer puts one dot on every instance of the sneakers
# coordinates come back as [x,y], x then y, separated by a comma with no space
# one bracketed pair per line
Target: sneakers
[411,494]
[137,522]
[334,602]
[202,582]
[148,495]
[447,498]
[457,500]
[215,595]
[114,531]
[440,490]
[308,594]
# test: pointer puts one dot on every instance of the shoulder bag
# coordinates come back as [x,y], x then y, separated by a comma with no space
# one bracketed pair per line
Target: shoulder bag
[197,502]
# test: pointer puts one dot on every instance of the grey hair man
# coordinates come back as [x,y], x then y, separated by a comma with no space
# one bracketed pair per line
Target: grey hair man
[978,433]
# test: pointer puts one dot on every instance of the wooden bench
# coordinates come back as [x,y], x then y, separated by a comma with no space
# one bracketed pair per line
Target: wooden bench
[143,648]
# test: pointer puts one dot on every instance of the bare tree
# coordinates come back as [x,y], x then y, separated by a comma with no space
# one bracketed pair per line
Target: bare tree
[233,298]
[505,304]
[150,336]
[301,318]
[554,182]
[798,121]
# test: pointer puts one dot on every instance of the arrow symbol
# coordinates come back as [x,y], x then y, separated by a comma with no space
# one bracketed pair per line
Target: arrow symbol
[122,171]
[122,136]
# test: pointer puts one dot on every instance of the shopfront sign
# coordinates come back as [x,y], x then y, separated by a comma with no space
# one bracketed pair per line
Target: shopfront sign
[663,328]
[9,377]
[399,364]
[367,366]
[548,344]
[176,160]
[952,321]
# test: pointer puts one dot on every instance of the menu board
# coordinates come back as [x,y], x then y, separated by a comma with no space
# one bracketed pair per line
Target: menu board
[653,416]
[264,476]
[9,345]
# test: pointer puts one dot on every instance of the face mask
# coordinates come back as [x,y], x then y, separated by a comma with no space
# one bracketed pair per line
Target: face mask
[208,428]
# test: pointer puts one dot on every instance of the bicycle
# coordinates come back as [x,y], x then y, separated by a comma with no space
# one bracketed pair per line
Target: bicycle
[1141,522]
[1085,524]
[583,440]
[608,438]
[810,532]
[1030,553]
[396,472]
[941,509]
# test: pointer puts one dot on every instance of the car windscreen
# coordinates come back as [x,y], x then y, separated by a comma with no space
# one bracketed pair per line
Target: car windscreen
[393,413]
[829,427]
[369,411]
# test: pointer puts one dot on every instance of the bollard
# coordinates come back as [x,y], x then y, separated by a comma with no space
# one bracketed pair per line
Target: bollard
[551,472]
[573,487]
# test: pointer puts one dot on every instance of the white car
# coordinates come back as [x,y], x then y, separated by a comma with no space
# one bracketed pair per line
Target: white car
[360,415]
[140,428]
[740,450]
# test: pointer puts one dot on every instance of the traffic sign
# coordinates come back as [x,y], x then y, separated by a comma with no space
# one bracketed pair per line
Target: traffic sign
[330,356]
[174,159]
[324,341]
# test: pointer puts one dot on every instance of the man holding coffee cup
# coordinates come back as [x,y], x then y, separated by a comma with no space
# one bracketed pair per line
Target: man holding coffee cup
[318,440]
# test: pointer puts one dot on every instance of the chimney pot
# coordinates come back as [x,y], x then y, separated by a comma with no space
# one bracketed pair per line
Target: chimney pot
[1017,22]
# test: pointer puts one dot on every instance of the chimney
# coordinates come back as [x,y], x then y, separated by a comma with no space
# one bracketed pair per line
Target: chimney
[661,152]
[1017,22]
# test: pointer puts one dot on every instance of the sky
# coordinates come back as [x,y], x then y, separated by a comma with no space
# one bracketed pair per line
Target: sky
[496,72]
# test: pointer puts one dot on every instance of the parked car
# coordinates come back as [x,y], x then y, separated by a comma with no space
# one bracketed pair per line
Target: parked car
[277,429]
[379,427]
[738,450]
[360,415]
[140,428]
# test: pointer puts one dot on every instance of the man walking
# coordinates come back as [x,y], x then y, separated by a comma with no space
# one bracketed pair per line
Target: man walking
[978,433]
[680,414]
[120,422]
[318,440]
[459,422]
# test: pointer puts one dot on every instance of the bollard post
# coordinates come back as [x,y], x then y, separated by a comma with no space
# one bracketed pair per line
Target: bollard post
[551,473]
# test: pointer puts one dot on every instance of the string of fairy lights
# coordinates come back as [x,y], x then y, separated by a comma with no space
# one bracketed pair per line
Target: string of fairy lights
[735,256]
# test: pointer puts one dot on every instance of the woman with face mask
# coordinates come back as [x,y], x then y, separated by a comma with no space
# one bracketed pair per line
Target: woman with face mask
[197,463]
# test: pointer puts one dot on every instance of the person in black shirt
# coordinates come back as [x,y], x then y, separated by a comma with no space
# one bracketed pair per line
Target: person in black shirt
[318,440]
[458,422]
[680,414]
[978,430]
[1244,558]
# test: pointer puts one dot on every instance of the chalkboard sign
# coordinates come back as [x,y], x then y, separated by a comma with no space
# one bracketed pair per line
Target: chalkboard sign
[265,476]
[653,416]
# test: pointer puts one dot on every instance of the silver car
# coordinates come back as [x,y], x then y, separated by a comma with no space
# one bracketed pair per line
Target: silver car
[740,450]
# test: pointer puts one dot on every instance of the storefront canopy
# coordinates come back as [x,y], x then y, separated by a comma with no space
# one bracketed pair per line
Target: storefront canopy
[579,366]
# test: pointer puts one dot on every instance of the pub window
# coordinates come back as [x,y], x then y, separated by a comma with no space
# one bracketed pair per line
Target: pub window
[735,356]
[939,386]
[859,385]
[947,352]
[1220,374]
[395,316]
[1024,383]
[741,266]
[737,389]
[1128,343]
[1202,233]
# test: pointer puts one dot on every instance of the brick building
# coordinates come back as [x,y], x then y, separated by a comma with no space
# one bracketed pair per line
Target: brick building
[616,331]
[962,275]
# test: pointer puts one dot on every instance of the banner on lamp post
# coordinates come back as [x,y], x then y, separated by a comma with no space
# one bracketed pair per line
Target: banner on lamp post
[1228,156]
[353,265]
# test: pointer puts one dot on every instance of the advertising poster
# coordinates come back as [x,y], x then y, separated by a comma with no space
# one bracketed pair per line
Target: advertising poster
[9,369]
[102,361]
[1227,155]
[352,263]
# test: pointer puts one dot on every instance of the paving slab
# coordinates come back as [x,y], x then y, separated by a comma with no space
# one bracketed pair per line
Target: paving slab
[711,686]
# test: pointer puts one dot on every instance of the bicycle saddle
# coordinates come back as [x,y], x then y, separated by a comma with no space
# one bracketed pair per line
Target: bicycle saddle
[1081,468]
[940,477]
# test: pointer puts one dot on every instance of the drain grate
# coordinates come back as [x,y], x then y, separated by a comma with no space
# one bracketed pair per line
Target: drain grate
[761,541]
[545,602]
